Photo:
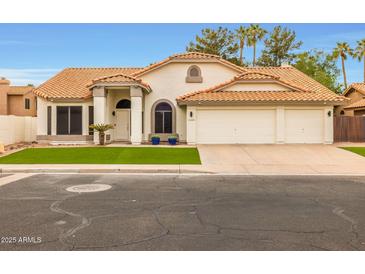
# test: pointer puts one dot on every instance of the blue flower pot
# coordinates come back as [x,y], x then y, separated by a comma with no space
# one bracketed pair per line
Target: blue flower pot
[172,141]
[155,141]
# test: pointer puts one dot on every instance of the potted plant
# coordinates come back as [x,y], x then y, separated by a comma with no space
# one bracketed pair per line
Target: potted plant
[101,128]
[172,139]
[155,139]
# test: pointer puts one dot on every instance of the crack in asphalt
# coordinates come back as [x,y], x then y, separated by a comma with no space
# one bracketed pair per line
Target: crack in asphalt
[85,222]
[353,225]
[155,213]
[339,212]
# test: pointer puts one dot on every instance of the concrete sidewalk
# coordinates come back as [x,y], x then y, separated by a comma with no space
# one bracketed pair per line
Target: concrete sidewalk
[233,159]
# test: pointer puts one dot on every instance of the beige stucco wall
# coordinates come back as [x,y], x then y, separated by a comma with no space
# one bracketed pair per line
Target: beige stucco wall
[14,129]
[16,105]
[168,82]
[4,99]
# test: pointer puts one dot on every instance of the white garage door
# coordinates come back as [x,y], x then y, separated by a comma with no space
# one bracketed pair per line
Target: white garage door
[235,126]
[304,126]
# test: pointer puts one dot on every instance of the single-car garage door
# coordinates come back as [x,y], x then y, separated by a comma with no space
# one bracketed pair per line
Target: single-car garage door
[304,126]
[235,126]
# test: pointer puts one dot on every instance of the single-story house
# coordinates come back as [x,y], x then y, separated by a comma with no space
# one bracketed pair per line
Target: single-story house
[201,98]
[355,106]
[16,100]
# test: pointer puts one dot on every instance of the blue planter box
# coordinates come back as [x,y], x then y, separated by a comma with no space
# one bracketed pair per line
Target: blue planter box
[155,141]
[172,141]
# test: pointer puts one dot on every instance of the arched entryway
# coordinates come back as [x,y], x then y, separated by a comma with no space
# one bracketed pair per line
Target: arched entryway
[122,120]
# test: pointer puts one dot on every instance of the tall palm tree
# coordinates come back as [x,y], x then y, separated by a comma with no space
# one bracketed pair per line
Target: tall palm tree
[255,34]
[241,34]
[342,50]
[359,52]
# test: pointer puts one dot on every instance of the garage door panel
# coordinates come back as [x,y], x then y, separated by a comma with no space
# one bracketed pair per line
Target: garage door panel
[235,126]
[304,126]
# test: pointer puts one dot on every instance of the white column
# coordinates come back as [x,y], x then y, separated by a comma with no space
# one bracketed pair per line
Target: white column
[328,125]
[41,116]
[191,125]
[280,125]
[99,109]
[53,119]
[85,119]
[136,115]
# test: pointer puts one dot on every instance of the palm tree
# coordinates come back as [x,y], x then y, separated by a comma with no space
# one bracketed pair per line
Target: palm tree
[359,52]
[255,34]
[101,128]
[342,50]
[241,34]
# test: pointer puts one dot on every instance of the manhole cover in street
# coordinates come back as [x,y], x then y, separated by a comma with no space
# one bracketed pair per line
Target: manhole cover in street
[88,188]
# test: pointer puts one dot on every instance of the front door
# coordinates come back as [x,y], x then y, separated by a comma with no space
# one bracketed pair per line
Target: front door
[122,127]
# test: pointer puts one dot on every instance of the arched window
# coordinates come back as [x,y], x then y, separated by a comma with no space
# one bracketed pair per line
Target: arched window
[124,103]
[163,118]
[194,75]
[342,112]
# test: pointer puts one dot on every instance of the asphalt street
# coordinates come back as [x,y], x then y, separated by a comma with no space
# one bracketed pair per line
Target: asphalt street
[172,212]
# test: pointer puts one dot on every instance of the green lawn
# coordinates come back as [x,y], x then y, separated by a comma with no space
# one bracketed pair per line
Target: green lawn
[104,155]
[357,150]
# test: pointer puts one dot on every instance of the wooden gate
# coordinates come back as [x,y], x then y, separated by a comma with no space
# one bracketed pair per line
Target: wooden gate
[349,129]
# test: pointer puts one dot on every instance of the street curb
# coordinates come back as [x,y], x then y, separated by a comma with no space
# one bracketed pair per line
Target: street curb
[116,171]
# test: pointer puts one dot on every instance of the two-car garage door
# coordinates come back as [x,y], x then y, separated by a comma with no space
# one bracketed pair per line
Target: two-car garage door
[257,126]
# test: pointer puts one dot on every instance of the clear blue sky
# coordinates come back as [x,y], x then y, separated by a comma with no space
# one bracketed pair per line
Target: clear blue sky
[31,53]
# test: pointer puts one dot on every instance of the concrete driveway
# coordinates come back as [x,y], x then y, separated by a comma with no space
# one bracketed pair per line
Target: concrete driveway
[281,159]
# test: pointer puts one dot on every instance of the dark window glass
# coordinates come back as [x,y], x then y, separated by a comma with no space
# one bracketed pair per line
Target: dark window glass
[163,106]
[125,103]
[142,122]
[167,122]
[76,120]
[62,120]
[49,120]
[158,122]
[69,120]
[27,103]
[91,119]
[163,118]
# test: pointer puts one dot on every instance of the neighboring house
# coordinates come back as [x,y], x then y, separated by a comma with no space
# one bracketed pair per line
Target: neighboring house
[16,100]
[356,105]
[202,98]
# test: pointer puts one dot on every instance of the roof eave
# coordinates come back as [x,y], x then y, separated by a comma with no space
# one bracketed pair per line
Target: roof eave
[256,102]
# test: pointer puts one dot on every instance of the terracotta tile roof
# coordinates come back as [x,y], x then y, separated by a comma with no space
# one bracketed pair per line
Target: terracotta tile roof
[120,78]
[256,76]
[260,96]
[72,83]
[360,87]
[19,90]
[189,56]
[305,88]
[358,104]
